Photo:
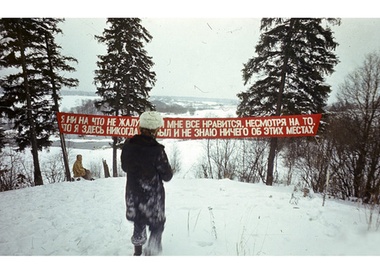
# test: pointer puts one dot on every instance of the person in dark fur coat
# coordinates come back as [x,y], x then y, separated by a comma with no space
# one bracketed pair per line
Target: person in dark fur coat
[146,164]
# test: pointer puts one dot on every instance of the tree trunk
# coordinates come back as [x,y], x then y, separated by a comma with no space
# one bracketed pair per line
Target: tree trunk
[358,182]
[114,157]
[274,141]
[271,157]
[56,106]
[65,157]
[106,169]
[33,137]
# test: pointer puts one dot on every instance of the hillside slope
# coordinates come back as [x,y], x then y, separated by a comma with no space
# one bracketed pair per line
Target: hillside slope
[204,217]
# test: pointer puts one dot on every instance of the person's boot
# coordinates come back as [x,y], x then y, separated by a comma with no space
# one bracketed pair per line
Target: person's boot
[138,251]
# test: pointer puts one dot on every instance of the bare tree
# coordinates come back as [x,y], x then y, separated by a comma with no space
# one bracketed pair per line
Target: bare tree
[357,148]
[240,159]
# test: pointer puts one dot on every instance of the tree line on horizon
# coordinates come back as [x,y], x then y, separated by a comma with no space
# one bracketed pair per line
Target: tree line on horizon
[285,76]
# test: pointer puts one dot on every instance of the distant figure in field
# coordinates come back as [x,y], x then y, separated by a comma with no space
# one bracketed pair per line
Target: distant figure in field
[79,171]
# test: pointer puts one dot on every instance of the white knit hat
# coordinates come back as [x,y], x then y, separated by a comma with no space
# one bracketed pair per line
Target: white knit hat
[151,120]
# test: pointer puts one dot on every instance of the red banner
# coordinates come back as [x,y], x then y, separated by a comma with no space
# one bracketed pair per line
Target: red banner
[193,128]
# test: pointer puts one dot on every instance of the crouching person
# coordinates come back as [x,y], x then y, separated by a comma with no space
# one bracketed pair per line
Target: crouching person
[146,164]
[79,171]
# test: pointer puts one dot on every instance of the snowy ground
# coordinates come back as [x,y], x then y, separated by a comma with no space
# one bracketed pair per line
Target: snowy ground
[205,218]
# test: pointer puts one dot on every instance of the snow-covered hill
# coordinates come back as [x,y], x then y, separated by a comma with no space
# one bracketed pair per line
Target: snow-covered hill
[204,218]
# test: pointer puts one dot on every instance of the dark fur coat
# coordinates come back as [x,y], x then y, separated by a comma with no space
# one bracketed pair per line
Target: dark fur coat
[146,164]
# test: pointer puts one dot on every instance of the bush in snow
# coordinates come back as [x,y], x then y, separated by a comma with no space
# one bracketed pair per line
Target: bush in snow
[96,168]
[175,158]
[372,211]
[53,170]
[236,159]
[307,162]
[13,171]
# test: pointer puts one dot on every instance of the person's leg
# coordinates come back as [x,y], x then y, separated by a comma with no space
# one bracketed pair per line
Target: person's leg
[88,175]
[139,237]
[138,251]
[154,244]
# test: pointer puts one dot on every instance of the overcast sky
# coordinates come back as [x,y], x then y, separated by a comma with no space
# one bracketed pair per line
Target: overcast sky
[193,57]
[199,47]
[204,57]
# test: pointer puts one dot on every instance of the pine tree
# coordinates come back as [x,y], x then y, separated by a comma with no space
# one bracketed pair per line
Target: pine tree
[28,92]
[57,63]
[294,56]
[124,77]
